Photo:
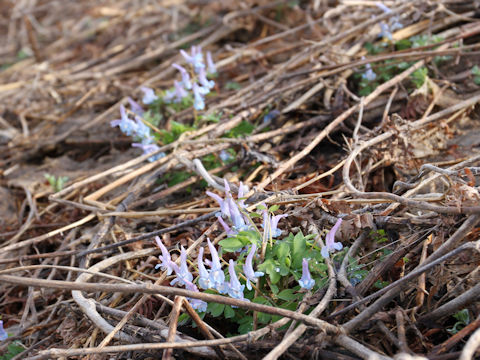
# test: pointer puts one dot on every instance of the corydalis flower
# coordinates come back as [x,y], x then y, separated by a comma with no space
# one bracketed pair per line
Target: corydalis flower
[3,333]
[126,125]
[135,107]
[183,275]
[270,224]
[217,276]
[251,275]
[306,281]
[148,149]
[185,76]
[197,304]
[230,209]
[212,69]
[234,288]
[148,95]
[387,29]
[330,244]
[196,59]
[204,280]
[369,74]
[166,263]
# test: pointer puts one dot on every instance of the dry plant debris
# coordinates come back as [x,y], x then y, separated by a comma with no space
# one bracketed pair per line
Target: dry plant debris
[338,142]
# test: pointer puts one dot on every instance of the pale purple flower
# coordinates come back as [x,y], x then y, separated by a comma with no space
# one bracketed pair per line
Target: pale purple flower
[251,275]
[196,59]
[142,130]
[369,74]
[236,216]
[271,116]
[306,281]
[270,224]
[227,228]
[198,96]
[242,192]
[202,79]
[183,275]
[186,82]
[3,333]
[148,149]
[212,69]
[204,280]
[383,7]
[177,94]
[330,244]
[135,107]
[197,304]
[234,288]
[165,258]
[385,31]
[148,95]
[221,202]
[224,155]
[126,125]
[216,273]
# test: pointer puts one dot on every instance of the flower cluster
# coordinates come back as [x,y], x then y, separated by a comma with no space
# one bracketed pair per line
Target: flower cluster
[369,75]
[231,210]
[391,26]
[194,80]
[210,272]
[306,281]
[214,278]
[184,276]
[3,333]
[137,127]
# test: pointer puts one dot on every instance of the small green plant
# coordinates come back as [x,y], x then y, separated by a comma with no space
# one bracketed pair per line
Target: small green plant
[13,349]
[476,74]
[463,318]
[376,74]
[57,183]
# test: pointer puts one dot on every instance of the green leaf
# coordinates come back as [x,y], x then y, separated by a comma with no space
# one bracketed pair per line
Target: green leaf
[419,76]
[228,312]
[13,349]
[476,70]
[244,128]
[281,249]
[299,250]
[274,208]
[287,295]
[233,85]
[215,309]
[231,244]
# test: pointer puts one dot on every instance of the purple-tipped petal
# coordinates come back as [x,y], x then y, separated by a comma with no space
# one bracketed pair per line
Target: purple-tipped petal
[212,69]
[3,333]
[185,76]
[227,228]
[251,275]
[330,244]
[135,107]
[204,280]
[148,95]
[216,273]
[165,257]
[234,288]
[306,281]
[198,100]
